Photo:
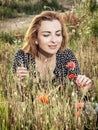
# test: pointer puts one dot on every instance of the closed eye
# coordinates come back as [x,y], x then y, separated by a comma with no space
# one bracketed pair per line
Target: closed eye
[59,34]
[46,35]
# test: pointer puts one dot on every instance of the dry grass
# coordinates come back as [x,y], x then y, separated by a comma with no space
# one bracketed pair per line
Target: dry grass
[24,108]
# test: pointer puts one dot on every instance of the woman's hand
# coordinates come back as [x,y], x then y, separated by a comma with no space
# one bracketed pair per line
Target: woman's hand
[22,73]
[84,83]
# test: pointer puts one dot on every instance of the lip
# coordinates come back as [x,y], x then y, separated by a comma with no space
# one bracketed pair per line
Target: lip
[52,46]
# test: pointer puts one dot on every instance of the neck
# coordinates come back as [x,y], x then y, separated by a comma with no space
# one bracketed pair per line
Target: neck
[46,57]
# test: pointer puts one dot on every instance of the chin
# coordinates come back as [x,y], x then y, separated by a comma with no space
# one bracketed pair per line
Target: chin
[52,52]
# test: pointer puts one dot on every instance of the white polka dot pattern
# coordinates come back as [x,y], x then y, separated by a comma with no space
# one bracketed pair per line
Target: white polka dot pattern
[62,59]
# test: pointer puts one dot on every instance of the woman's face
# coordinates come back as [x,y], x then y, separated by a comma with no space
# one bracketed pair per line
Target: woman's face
[49,37]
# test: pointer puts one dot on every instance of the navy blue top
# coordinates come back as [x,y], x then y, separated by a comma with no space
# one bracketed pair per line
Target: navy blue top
[60,71]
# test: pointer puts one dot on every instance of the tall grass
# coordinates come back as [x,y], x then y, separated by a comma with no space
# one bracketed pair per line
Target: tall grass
[44,106]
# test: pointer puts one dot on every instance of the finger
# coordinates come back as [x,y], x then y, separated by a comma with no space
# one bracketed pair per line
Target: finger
[79,79]
[22,72]
[88,82]
[84,81]
[21,69]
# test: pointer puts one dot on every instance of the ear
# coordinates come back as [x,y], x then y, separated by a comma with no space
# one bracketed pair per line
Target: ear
[36,42]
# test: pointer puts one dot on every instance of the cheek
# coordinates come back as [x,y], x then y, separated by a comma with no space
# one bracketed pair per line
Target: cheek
[42,44]
[42,40]
[60,40]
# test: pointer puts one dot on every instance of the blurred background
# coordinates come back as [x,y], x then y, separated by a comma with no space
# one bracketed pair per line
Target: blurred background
[81,19]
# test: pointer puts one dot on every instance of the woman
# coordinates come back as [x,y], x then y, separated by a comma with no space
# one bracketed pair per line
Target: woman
[45,50]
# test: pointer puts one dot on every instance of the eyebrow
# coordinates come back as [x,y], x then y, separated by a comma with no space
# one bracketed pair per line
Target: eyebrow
[50,32]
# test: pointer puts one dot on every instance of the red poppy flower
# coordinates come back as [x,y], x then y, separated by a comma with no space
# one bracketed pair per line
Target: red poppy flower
[77,114]
[71,65]
[43,99]
[72,76]
[79,105]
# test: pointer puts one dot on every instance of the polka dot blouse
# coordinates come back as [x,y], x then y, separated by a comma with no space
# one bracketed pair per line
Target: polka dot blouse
[60,71]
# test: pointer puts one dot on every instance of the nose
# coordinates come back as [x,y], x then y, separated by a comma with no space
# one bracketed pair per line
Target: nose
[53,39]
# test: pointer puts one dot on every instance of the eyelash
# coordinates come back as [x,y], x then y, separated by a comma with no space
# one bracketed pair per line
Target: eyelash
[56,35]
[45,35]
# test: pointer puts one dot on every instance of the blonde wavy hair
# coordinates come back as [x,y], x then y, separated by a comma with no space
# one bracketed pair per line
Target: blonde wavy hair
[31,34]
